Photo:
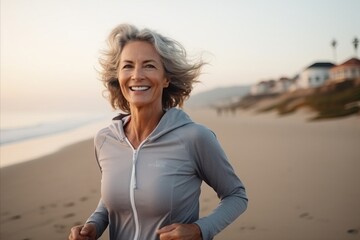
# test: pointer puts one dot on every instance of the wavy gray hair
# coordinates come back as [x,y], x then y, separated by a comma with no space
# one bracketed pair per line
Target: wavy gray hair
[180,72]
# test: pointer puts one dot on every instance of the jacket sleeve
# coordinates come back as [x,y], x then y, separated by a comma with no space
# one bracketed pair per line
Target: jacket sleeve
[100,216]
[214,168]
[100,219]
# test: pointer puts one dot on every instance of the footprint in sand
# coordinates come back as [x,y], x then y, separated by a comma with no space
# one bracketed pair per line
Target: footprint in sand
[251,228]
[16,217]
[12,218]
[306,216]
[83,199]
[60,228]
[69,215]
[353,231]
[70,204]
[44,207]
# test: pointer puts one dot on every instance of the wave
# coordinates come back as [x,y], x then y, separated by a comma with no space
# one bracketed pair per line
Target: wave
[16,134]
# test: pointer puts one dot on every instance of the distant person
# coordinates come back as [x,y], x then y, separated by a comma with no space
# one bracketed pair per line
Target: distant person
[154,158]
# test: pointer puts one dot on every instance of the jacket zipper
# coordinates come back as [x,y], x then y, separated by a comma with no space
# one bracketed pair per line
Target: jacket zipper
[133,186]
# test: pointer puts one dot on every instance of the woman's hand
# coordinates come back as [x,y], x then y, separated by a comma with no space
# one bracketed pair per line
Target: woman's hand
[179,231]
[83,232]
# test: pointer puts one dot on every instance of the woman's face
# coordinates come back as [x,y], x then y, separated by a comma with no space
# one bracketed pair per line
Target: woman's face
[141,75]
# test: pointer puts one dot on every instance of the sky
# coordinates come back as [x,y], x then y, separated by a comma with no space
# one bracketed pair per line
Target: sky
[50,48]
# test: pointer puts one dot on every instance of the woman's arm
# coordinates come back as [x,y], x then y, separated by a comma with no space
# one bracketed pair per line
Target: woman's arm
[214,168]
[100,218]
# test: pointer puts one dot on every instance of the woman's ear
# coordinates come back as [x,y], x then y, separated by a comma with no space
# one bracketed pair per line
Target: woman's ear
[166,83]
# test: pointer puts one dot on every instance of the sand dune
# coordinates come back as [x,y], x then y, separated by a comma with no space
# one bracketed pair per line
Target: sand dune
[302,180]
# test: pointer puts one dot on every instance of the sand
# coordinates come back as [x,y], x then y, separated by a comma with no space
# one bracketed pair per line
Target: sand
[302,179]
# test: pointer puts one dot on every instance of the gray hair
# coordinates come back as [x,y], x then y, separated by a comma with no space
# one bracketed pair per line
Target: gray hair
[180,72]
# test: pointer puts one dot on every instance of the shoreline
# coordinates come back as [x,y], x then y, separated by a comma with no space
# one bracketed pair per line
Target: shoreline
[46,145]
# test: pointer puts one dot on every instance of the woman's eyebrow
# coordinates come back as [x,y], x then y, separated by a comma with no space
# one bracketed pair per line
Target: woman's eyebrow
[126,61]
[145,61]
[150,61]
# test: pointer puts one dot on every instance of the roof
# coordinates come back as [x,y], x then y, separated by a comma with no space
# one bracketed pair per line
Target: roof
[321,65]
[350,62]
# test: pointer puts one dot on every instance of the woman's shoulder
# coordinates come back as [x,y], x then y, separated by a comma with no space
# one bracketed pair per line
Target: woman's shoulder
[100,136]
[103,131]
[197,130]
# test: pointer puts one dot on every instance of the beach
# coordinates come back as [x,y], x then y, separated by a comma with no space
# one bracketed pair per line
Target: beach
[302,179]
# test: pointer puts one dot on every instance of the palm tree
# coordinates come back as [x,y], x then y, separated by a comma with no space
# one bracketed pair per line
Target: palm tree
[333,44]
[356,43]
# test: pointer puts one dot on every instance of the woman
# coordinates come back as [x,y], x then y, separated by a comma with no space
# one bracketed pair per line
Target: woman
[154,158]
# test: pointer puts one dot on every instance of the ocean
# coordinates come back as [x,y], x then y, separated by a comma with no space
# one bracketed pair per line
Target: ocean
[17,127]
[26,136]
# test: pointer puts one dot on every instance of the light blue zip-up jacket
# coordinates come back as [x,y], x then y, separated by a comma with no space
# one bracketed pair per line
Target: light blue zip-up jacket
[158,183]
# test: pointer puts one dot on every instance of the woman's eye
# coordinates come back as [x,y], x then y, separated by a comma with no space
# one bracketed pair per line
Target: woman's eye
[127,66]
[149,66]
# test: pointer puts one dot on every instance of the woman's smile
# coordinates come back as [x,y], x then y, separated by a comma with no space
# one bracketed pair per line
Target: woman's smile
[139,88]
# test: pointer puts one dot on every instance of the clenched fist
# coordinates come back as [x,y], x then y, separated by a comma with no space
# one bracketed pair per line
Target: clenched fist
[179,231]
[83,232]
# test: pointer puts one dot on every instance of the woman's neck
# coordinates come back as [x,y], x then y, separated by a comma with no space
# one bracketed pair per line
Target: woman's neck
[142,123]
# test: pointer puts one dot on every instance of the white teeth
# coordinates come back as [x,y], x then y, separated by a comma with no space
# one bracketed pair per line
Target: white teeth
[139,88]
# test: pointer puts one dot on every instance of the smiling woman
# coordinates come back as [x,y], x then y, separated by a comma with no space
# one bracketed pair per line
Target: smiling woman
[142,76]
[180,73]
[154,158]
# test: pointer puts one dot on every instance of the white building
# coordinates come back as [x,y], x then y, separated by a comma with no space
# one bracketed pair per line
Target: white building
[315,75]
[263,87]
[281,85]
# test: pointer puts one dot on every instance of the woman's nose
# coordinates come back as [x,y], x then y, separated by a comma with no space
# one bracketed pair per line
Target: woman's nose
[138,73]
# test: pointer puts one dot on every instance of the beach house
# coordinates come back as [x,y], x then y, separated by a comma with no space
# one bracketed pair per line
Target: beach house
[263,87]
[281,85]
[314,75]
[284,84]
[350,69]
